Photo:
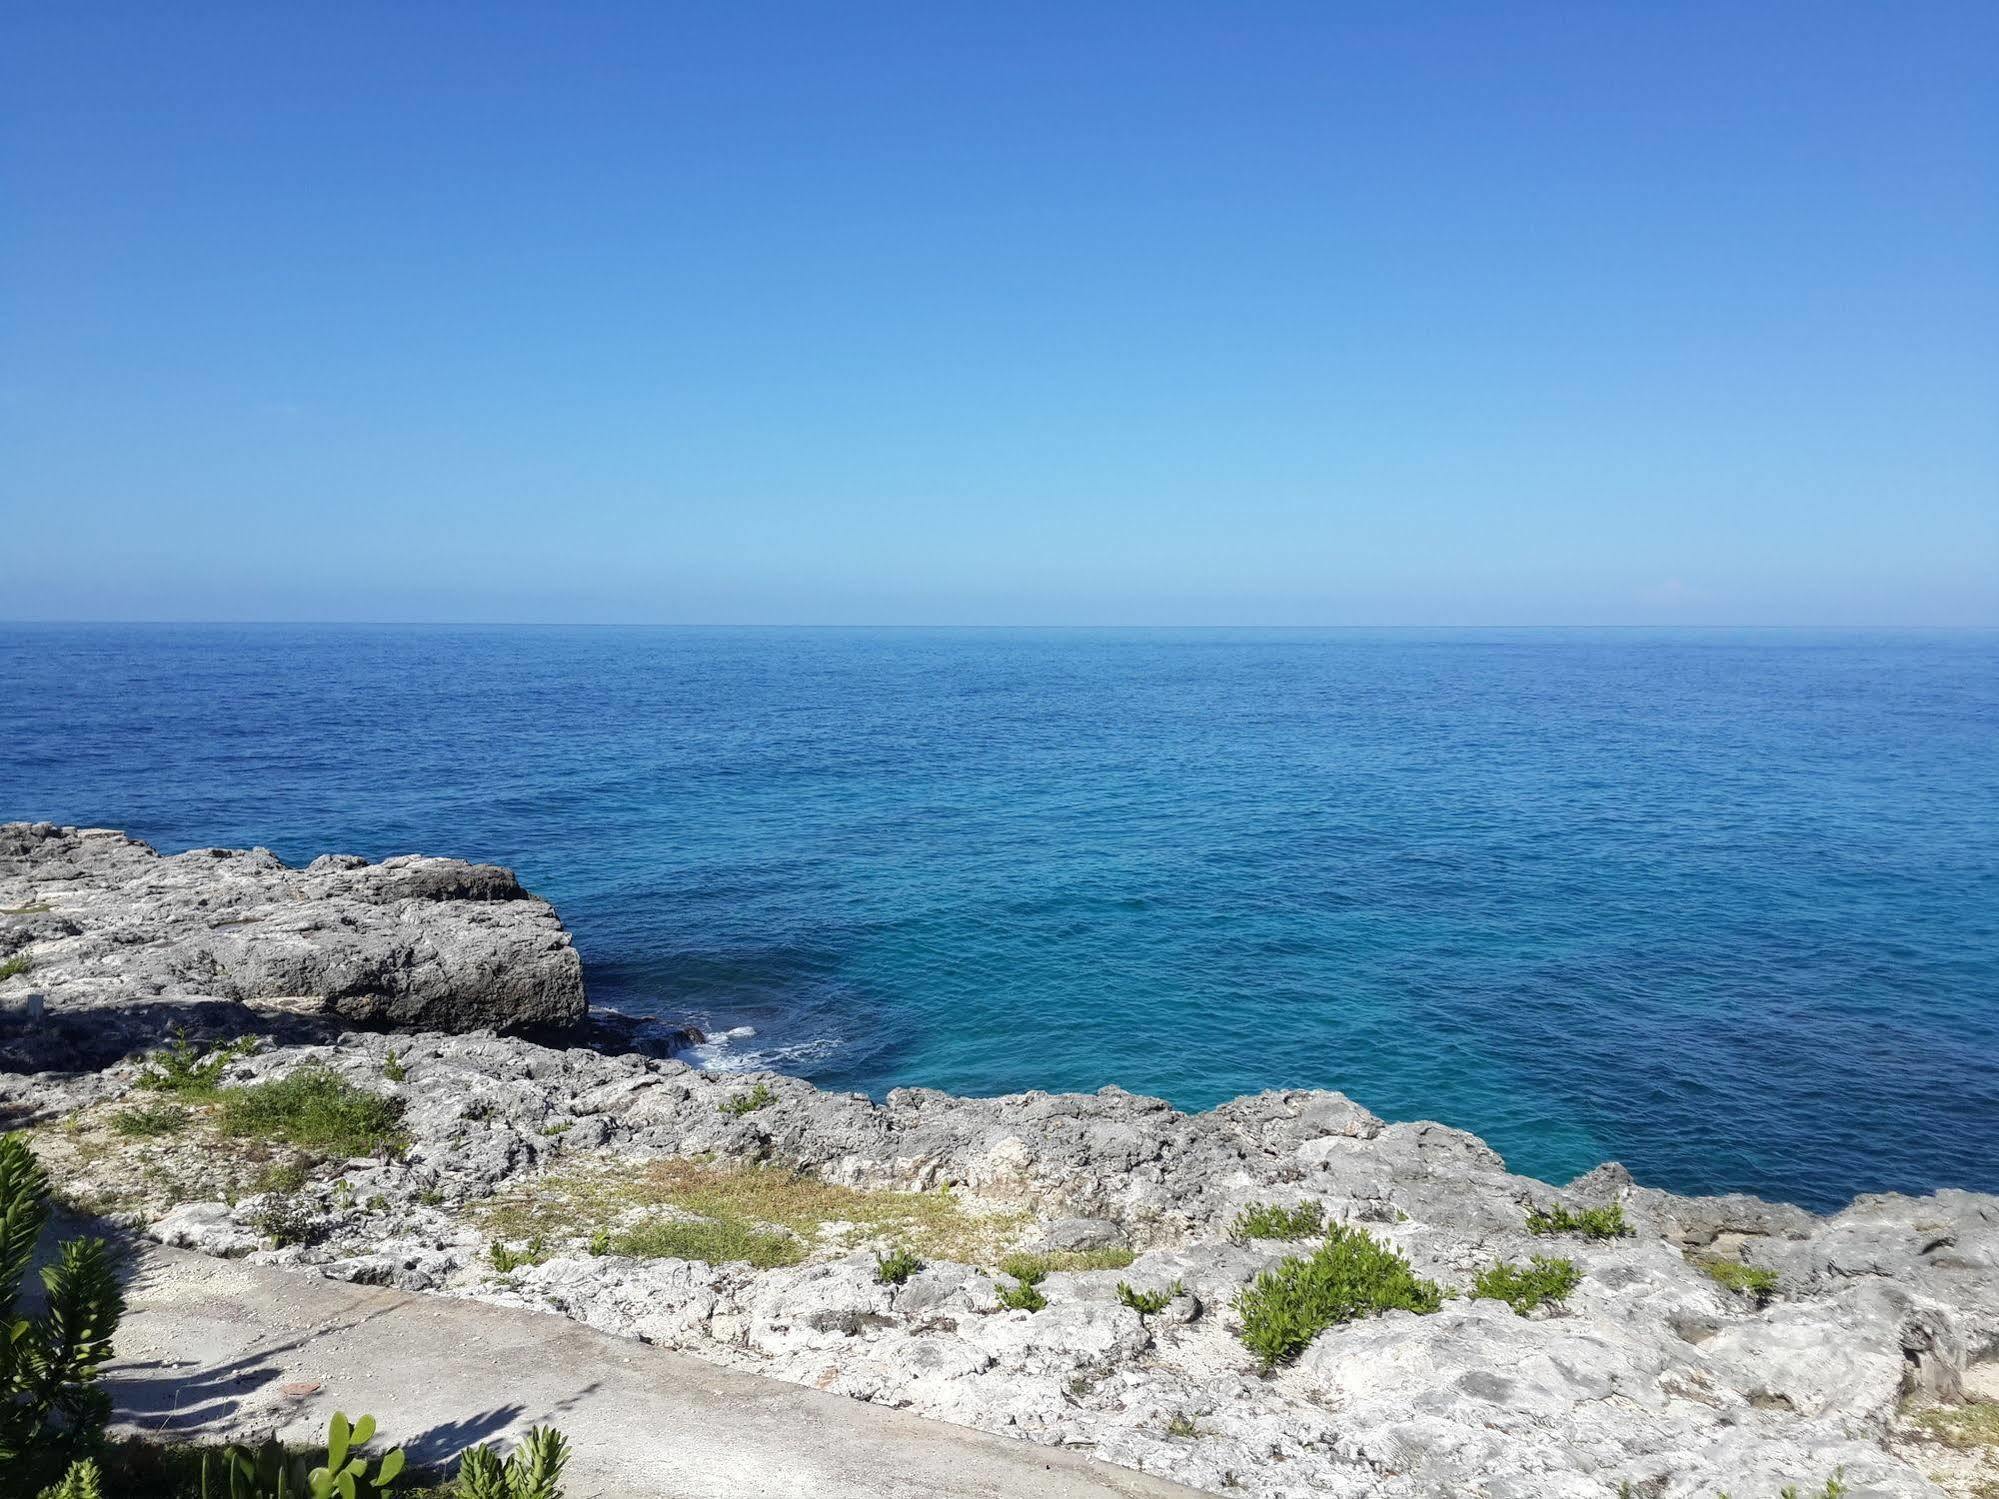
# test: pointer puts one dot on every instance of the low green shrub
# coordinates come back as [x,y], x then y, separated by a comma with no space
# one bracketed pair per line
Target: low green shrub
[895,1267]
[151,1121]
[19,963]
[1022,1296]
[1544,1281]
[1146,1303]
[1753,1281]
[393,1069]
[316,1108]
[1591,1223]
[285,1220]
[506,1259]
[711,1241]
[1028,1269]
[1182,1426]
[1266,1220]
[748,1103]
[1350,1275]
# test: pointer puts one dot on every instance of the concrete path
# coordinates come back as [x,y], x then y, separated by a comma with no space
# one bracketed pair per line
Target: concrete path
[217,1348]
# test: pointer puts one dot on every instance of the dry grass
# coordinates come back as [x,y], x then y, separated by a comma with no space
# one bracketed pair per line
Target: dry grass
[1964,1428]
[582,1201]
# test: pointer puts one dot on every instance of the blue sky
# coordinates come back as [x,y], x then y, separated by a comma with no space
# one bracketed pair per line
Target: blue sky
[952,313]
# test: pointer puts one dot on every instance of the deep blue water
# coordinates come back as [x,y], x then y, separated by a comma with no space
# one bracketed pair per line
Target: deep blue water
[1722,905]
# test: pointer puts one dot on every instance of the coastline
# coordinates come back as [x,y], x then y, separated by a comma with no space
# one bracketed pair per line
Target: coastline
[1654,1372]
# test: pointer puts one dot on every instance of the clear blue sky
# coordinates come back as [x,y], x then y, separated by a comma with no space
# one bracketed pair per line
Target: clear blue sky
[940,312]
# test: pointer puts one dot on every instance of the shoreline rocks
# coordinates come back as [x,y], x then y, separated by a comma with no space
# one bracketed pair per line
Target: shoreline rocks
[594,1182]
[125,943]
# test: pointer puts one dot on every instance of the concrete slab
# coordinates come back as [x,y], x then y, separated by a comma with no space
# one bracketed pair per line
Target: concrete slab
[220,1349]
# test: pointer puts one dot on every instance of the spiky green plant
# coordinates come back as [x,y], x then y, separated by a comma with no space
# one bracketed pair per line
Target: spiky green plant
[49,1397]
[83,1481]
[532,1471]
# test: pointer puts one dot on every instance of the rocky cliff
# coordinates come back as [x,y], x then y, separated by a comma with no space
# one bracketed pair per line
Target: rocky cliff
[125,944]
[1706,1343]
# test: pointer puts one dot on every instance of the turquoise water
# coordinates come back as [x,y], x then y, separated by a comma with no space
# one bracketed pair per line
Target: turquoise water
[1722,905]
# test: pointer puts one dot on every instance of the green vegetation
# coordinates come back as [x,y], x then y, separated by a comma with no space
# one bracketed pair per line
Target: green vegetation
[1022,1296]
[139,1469]
[600,1242]
[532,1471]
[1038,1266]
[1146,1303]
[151,1121]
[895,1267]
[748,1103]
[1544,1281]
[506,1259]
[183,1067]
[274,1471]
[393,1069]
[285,1220]
[32,908]
[1753,1281]
[1350,1275]
[19,963]
[50,1403]
[1182,1425]
[1591,1223]
[313,1107]
[716,1242]
[1266,1220]
[281,1176]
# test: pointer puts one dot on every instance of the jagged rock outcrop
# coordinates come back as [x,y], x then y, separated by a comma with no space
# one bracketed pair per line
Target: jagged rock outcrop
[123,943]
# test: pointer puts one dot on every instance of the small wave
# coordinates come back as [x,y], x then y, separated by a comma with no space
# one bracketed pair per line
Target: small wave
[716,1055]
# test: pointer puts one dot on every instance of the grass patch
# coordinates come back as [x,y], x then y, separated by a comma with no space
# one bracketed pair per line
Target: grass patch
[194,1071]
[895,1267]
[1351,1275]
[1752,1281]
[1037,1267]
[151,1121]
[579,1201]
[715,1242]
[1266,1220]
[32,908]
[1966,1428]
[315,1108]
[759,1097]
[393,1069]
[281,1176]
[1591,1223]
[19,963]
[1541,1283]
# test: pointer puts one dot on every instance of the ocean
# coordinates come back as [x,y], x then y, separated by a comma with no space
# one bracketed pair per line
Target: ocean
[1720,904]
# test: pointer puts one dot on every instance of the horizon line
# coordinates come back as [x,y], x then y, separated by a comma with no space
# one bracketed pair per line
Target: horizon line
[640,624]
